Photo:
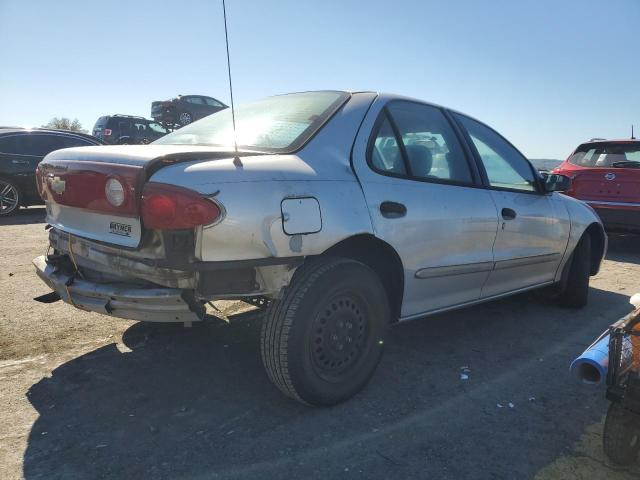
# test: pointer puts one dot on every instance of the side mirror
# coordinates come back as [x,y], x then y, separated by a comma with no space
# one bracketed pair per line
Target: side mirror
[554,182]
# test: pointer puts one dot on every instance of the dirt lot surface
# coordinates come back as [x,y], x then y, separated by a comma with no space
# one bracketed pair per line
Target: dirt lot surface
[85,396]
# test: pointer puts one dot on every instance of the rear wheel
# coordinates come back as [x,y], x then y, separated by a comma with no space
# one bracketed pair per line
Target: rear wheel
[621,438]
[323,340]
[185,118]
[9,198]
[576,290]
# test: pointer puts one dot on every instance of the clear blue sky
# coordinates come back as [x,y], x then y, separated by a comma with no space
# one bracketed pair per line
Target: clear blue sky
[547,74]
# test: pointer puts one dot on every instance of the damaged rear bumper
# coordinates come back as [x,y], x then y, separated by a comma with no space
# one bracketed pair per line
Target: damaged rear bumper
[120,300]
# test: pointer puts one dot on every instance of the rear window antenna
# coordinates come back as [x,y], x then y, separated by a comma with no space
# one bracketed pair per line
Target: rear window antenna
[236,160]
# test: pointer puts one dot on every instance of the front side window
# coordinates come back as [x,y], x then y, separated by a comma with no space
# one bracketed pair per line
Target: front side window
[417,141]
[9,144]
[275,125]
[505,166]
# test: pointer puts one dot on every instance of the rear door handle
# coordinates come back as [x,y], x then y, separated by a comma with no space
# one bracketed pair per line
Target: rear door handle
[393,209]
[508,214]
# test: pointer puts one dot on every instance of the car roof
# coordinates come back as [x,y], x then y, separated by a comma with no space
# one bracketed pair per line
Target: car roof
[120,115]
[621,141]
[24,130]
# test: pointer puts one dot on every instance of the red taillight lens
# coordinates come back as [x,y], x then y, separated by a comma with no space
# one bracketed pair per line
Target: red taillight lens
[107,132]
[167,207]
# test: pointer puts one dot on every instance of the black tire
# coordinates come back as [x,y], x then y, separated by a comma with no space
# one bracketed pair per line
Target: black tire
[309,348]
[576,290]
[10,198]
[621,438]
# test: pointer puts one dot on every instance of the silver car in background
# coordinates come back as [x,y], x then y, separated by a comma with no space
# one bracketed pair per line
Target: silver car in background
[342,212]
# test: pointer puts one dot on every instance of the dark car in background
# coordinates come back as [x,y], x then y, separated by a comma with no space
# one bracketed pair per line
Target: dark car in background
[21,150]
[184,109]
[606,175]
[127,130]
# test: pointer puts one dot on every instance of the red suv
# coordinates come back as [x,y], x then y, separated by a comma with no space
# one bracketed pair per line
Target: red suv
[606,175]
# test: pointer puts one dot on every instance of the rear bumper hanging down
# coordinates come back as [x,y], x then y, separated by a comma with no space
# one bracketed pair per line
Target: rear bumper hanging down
[119,299]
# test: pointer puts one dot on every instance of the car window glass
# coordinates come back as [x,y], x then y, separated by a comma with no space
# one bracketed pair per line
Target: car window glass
[195,100]
[69,142]
[156,127]
[432,148]
[8,144]
[213,103]
[505,166]
[385,153]
[605,154]
[41,145]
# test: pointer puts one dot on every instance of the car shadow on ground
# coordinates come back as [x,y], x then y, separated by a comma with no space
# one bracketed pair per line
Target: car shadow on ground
[25,216]
[195,403]
[624,248]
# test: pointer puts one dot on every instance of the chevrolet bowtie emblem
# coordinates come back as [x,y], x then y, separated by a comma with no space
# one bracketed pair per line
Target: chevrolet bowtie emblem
[57,185]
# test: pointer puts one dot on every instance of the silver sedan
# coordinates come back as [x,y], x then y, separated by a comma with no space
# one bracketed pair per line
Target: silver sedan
[342,212]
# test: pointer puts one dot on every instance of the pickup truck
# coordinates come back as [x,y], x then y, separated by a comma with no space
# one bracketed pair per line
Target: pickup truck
[345,212]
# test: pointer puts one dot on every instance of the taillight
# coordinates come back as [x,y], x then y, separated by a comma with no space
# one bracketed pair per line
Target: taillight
[39,183]
[167,207]
[107,132]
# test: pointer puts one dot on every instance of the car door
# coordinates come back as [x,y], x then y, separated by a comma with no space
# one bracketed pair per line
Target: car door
[423,195]
[533,226]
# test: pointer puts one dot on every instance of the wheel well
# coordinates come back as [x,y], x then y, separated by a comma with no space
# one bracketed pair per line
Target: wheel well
[598,242]
[381,258]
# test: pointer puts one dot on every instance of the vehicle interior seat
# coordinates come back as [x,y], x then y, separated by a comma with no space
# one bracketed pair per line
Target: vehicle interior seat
[420,160]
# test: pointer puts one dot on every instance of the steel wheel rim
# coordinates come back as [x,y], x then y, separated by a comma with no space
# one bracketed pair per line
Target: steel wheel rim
[339,337]
[8,198]
[185,118]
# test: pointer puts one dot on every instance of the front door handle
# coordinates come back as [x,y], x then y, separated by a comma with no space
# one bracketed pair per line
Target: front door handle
[508,214]
[393,209]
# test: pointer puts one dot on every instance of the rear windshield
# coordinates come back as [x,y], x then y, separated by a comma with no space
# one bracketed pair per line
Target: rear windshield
[275,124]
[606,154]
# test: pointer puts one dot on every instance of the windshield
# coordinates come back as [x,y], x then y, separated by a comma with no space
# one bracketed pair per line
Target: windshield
[605,154]
[276,124]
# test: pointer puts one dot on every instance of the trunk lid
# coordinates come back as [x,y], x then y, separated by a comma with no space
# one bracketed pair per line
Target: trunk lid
[607,184]
[72,182]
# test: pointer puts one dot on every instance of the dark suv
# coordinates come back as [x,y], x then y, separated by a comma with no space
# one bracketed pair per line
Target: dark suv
[184,109]
[127,130]
[20,152]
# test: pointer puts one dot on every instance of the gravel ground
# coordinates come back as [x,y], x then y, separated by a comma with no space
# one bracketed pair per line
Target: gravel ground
[85,396]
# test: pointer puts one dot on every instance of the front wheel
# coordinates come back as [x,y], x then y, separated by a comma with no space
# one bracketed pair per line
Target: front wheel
[576,290]
[323,340]
[9,198]
[621,438]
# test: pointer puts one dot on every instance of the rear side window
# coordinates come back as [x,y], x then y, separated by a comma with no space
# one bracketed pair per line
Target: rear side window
[385,152]
[417,141]
[606,154]
[194,100]
[212,102]
[69,142]
[505,166]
